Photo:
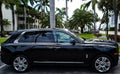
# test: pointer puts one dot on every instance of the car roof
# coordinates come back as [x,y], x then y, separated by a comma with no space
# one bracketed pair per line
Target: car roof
[42,29]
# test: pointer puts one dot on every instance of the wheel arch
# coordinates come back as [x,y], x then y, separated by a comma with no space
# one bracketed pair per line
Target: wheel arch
[15,54]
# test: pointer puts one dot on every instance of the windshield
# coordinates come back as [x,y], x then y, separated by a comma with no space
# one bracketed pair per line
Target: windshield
[75,35]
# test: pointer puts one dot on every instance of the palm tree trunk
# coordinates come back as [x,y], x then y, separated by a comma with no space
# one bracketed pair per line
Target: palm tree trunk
[99,26]
[115,20]
[107,23]
[52,13]
[82,29]
[94,21]
[13,17]
[25,15]
[66,13]
[1,17]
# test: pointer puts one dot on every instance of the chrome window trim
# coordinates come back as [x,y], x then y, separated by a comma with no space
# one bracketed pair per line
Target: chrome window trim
[58,62]
[16,41]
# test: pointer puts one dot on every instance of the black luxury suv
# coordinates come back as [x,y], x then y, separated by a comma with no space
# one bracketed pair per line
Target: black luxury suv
[26,47]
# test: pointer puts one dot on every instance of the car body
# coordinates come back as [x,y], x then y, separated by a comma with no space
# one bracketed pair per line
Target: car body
[25,47]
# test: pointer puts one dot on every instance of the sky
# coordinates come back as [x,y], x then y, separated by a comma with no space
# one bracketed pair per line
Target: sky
[73,5]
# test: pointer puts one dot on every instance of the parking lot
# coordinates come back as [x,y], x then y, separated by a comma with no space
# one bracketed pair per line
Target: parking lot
[55,69]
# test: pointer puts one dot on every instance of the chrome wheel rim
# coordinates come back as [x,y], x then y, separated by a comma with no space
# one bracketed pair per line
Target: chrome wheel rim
[20,64]
[102,64]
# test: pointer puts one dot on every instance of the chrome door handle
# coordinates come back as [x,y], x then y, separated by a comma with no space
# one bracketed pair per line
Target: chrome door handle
[57,47]
[50,47]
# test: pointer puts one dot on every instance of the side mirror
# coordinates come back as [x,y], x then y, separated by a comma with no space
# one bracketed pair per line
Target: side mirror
[73,42]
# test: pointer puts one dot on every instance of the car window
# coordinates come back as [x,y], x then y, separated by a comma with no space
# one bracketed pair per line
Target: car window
[27,37]
[62,37]
[45,36]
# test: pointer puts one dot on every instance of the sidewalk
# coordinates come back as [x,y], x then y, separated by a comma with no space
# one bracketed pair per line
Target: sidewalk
[109,32]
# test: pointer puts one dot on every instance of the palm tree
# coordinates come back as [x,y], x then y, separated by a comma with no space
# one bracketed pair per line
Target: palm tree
[43,6]
[10,4]
[60,13]
[5,22]
[104,5]
[25,5]
[115,9]
[93,2]
[1,16]
[102,21]
[116,12]
[66,2]
[52,13]
[81,18]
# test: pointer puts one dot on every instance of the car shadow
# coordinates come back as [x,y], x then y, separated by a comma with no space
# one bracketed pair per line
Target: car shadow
[56,69]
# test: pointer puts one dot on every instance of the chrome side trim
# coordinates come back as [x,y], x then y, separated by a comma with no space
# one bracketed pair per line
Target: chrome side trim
[86,55]
[58,62]
[32,43]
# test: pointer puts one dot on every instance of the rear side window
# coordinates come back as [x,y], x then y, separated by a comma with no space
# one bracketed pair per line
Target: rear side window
[45,37]
[28,37]
[13,37]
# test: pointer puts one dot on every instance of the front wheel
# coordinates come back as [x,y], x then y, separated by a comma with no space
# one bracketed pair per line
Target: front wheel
[102,63]
[21,63]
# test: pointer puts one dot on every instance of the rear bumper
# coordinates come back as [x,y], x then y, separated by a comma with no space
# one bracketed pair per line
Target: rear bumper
[6,58]
[116,60]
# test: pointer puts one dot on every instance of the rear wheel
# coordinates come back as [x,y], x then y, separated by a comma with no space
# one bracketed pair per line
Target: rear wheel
[21,63]
[102,63]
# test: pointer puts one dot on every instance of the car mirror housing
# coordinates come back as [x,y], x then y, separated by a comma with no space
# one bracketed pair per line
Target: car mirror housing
[73,42]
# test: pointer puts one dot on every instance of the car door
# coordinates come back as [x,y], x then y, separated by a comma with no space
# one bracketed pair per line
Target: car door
[66,50]
[40,45]
[44,47]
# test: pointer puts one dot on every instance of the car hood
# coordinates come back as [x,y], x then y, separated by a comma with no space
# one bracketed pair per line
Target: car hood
[102,42]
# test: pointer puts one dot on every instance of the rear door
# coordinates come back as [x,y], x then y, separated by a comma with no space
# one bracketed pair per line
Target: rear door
[45,44]
[38,45]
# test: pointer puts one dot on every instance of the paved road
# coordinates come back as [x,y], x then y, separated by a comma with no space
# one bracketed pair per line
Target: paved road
[110,32]
[0,48]
[54,69]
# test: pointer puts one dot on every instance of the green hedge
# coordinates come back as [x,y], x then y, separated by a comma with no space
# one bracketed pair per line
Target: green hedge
[112,37]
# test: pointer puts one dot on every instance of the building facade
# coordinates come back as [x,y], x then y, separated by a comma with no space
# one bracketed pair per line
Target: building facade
[7,14]
[112,19]
[20,20]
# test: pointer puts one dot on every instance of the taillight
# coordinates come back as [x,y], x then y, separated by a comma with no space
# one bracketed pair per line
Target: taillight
[116,52]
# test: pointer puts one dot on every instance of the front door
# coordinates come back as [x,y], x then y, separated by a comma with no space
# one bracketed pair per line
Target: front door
[65,50]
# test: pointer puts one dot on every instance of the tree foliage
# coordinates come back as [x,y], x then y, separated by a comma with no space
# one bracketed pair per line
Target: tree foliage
[81,18]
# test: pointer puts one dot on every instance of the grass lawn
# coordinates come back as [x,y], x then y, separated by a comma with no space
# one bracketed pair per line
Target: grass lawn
[86,36]
[119,49]
[3,39]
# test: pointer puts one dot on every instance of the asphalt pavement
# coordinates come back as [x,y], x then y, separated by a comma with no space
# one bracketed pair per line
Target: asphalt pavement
[56,69]
[110,32]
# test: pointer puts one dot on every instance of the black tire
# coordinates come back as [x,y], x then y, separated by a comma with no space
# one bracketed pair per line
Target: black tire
[102,63]
[21,63]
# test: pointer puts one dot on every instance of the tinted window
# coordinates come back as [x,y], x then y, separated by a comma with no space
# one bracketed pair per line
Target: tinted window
[45,36]
[13,37]
[28,37]
[63,37]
